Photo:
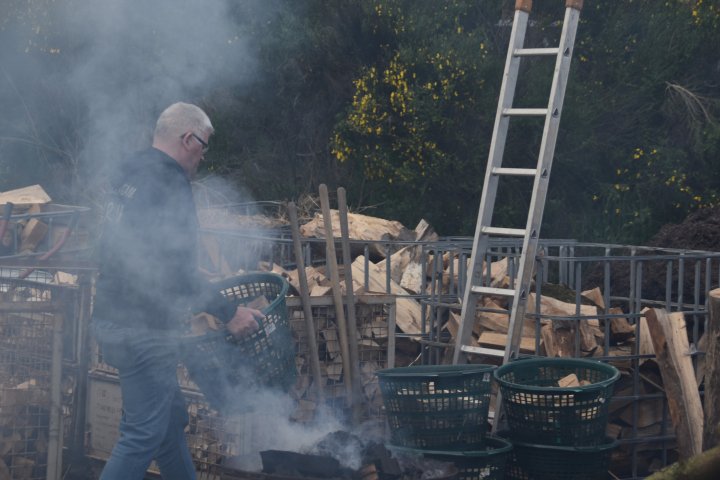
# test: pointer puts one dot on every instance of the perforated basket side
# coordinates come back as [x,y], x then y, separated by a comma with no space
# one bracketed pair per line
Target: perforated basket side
[437,407]
[538,410]
[487,463]
[546,462]
[219,364]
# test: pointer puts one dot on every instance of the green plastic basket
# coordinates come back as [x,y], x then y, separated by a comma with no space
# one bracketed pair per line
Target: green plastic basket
[544,462]
[539,411]
[221,365]
[487,463]
[442,407]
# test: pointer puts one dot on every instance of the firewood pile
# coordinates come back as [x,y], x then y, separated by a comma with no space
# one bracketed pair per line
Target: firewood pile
[556,326]
[25,358]
[30,224]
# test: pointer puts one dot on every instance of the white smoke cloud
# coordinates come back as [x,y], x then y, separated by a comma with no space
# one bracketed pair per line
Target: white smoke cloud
[87,79]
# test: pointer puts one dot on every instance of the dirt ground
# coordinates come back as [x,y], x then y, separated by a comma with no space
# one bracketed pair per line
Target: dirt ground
[699,231]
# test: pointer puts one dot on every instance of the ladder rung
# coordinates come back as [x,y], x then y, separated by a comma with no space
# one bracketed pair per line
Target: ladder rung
[483,351]
[525,112]
[507,292]
[535,52]
[528,172]
[510,232]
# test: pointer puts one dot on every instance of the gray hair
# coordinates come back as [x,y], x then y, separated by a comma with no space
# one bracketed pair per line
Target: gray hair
[180,118]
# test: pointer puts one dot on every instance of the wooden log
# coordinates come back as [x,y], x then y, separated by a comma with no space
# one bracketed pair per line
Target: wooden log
[548,341]
[408,311]
[32,234]
[361,227]
[25,196]
[700,366]
[644,338]
[620,328]
[499,341]
[595,296]
[649,412]
[569,381]
[499,321]
[701,467]
[712,371]
[669,337]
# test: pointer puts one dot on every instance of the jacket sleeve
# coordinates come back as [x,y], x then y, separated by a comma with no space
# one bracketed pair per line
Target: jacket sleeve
[212,301]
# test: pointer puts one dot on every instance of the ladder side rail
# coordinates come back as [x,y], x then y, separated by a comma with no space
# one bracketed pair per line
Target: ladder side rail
[540,187]
[487,200]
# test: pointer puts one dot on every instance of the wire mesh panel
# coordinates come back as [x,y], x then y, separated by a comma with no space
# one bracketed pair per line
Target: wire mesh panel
[375,351]
[30,362]
[589,300]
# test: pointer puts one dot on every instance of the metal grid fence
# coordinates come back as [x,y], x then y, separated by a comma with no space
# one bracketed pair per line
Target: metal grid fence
[630,279]
[31,415]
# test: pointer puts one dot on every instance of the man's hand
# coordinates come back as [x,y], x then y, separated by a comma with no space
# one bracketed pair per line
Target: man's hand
[244,322]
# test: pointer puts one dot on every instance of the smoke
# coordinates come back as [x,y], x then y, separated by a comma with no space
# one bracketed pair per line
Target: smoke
[82,83]
[266,425]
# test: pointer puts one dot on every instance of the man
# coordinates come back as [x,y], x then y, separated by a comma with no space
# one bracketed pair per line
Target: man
[148,283]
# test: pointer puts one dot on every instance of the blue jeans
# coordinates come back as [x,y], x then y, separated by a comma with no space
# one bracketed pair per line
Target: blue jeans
[154,413]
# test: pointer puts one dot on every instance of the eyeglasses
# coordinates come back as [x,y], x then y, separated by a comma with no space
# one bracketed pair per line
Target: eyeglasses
[205,146]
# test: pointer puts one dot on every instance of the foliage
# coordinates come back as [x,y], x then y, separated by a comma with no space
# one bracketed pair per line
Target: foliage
[395,100]
[408,132]
[640,138]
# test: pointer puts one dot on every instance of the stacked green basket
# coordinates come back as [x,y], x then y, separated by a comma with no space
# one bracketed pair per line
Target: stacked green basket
[440,412]
[557,432]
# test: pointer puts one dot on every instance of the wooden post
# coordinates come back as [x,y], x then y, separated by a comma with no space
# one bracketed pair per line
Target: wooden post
[337,294]
[307,310]
[712,372]
[672,349]
[350,302]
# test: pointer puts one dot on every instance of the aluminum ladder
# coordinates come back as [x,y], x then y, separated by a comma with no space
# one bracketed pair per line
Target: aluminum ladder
[474,288]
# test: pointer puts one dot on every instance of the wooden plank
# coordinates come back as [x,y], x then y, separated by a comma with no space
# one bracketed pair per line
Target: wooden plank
[499,341]
[712,372]
[25,196]
[669,337]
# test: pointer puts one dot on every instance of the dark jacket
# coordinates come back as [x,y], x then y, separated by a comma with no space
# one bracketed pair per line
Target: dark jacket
[147,251]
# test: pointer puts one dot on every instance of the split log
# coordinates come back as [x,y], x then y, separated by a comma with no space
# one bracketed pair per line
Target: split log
[493,317]
[644,337]
[649,412]
[712,371]
[360,227]
[26,196]
[558,342]
[32,234]
[64,278]
[408,314]
[595,296]
[405,264]
[620,328]
[669,337]
[499,341]
[557,309]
